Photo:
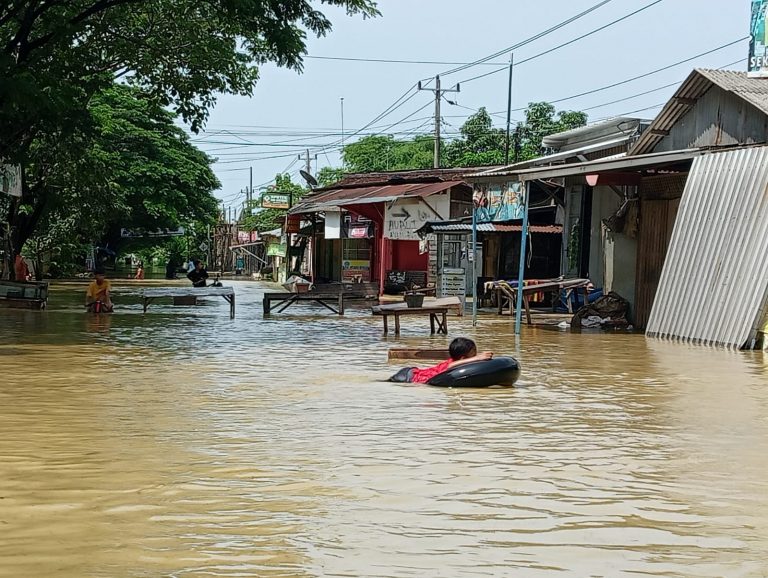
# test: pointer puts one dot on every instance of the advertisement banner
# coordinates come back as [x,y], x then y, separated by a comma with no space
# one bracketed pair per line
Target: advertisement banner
[293,224]
[277,249]
[356,270]
[758,42]
[499,201]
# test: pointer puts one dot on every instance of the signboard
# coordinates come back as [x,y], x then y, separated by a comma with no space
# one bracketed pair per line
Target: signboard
[276,201]
[499,201]
[293,224]
[137,233]
[276,250]
[333,224]
[10,180]
[247,237]
[356,269]
[404,217]
[758,42]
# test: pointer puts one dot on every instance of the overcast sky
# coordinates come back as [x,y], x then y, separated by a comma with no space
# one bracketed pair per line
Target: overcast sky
[288,106]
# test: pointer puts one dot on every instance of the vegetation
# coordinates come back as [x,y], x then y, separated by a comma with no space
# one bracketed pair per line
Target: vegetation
[258,219]
[479,143]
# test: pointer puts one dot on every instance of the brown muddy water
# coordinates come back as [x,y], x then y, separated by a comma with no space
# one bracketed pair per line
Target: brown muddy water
[182,444]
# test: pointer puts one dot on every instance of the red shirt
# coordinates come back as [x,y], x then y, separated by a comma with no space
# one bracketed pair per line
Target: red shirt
[424,375]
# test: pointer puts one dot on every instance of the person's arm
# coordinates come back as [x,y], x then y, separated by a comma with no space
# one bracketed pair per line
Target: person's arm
[480,357]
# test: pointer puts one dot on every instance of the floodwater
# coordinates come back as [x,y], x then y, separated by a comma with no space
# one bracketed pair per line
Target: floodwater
[182,444]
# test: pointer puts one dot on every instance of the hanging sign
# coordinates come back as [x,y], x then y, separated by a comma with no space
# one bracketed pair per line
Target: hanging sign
[276,201]
[758,42]
[293,224]
[10,180]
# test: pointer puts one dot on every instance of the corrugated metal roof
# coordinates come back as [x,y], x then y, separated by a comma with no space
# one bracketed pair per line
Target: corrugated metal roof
[366,195]
[714,285]
[464,227]
[752,90]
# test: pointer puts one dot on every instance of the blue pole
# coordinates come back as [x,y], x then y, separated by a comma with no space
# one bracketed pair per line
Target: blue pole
[474,265]
[521,274]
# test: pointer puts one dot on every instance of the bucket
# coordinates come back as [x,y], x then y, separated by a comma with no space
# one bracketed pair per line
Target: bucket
[414,300]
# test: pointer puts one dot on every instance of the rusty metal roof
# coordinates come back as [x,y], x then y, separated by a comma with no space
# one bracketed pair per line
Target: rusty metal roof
[364,195]
[491,227]
[752,90]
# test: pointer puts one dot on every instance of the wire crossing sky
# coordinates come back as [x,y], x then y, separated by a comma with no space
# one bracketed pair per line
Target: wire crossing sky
[608,58]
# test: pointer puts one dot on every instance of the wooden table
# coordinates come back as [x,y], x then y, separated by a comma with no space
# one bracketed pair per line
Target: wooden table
[285,300]
[506,295]
[228,293]
[438,316]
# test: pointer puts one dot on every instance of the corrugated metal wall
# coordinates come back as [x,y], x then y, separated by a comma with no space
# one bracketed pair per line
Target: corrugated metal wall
[714,285]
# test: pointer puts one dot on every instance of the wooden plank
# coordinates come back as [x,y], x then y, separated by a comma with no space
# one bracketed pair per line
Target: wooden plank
[189,292]
[424,354]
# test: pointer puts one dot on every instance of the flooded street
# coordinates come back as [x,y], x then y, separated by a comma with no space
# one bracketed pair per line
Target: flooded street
[180,443]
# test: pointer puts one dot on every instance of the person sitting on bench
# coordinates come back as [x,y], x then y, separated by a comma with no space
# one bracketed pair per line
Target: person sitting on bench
[198,275]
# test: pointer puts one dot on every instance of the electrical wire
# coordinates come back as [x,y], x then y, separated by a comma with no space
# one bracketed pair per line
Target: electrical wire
[564,44]
[392,61]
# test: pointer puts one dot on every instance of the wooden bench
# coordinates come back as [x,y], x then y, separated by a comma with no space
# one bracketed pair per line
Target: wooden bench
[285,300]
[228,293]
[506,295]
[438,316]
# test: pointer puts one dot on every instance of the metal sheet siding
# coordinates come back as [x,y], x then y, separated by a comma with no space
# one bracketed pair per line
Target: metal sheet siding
[714,285]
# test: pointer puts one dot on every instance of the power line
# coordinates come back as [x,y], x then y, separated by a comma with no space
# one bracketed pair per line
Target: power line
[393,61]
[563,45]
[528,40]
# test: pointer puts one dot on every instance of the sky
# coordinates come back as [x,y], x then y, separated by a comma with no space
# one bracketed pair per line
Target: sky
[290,112]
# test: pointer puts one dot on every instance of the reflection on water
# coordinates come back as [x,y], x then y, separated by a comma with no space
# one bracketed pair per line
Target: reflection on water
[180,443]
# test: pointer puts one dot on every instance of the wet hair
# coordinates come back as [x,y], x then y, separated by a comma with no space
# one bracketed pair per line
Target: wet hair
[461,348]
[196,262]
[99,271]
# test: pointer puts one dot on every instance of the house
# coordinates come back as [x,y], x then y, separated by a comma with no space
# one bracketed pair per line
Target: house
[687,244]
[365,225]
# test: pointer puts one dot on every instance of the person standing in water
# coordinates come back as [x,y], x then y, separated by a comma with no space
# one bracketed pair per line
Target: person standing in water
[198,275]
[99,291]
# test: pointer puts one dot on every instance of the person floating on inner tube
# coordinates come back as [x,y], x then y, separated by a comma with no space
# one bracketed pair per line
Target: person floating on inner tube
[461,349]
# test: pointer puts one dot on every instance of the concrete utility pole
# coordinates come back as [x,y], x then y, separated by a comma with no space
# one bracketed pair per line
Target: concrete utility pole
[509,110]
[438,96]
[308,162]
[249,196]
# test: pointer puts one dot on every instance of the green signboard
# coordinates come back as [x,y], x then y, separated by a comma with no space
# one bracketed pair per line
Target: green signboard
[758,42]
[276,250]
[276,201]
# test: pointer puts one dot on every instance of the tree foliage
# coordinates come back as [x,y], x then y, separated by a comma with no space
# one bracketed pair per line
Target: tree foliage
[129,166]
[55,54]
[479,143]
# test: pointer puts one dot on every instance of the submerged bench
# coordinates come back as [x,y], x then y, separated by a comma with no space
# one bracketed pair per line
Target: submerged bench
[284,300]
[228,293]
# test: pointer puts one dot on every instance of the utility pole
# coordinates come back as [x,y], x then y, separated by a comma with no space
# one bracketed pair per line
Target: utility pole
[308,162]
[249,196]
[438,92]
[509,109]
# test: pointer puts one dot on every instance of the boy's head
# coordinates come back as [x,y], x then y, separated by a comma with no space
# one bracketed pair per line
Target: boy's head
[99,274]
[462,348]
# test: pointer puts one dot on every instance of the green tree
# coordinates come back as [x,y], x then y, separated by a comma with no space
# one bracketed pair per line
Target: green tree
[258,219]
[480,144]
[328,175]
[541,120]
[55,54]
[384,153]
[130,166]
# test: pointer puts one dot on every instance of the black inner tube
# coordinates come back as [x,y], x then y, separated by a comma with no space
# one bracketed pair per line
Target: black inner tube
[499,371]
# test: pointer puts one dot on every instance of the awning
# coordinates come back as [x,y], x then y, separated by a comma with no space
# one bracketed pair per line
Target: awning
[462,226]
[339,198]
[611,164]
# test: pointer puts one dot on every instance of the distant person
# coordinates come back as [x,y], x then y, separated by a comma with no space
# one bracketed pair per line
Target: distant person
[139,272]
[20,269]
[190,266]
[99,291]
[170,270]
[198,275]
[461,350]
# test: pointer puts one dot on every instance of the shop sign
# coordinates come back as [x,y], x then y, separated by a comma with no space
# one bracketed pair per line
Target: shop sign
[10,180]
[276,201]
[277,249]
[758,42]
[293,224]
[247,236]
[138,233]
[403,218]
[499,201]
